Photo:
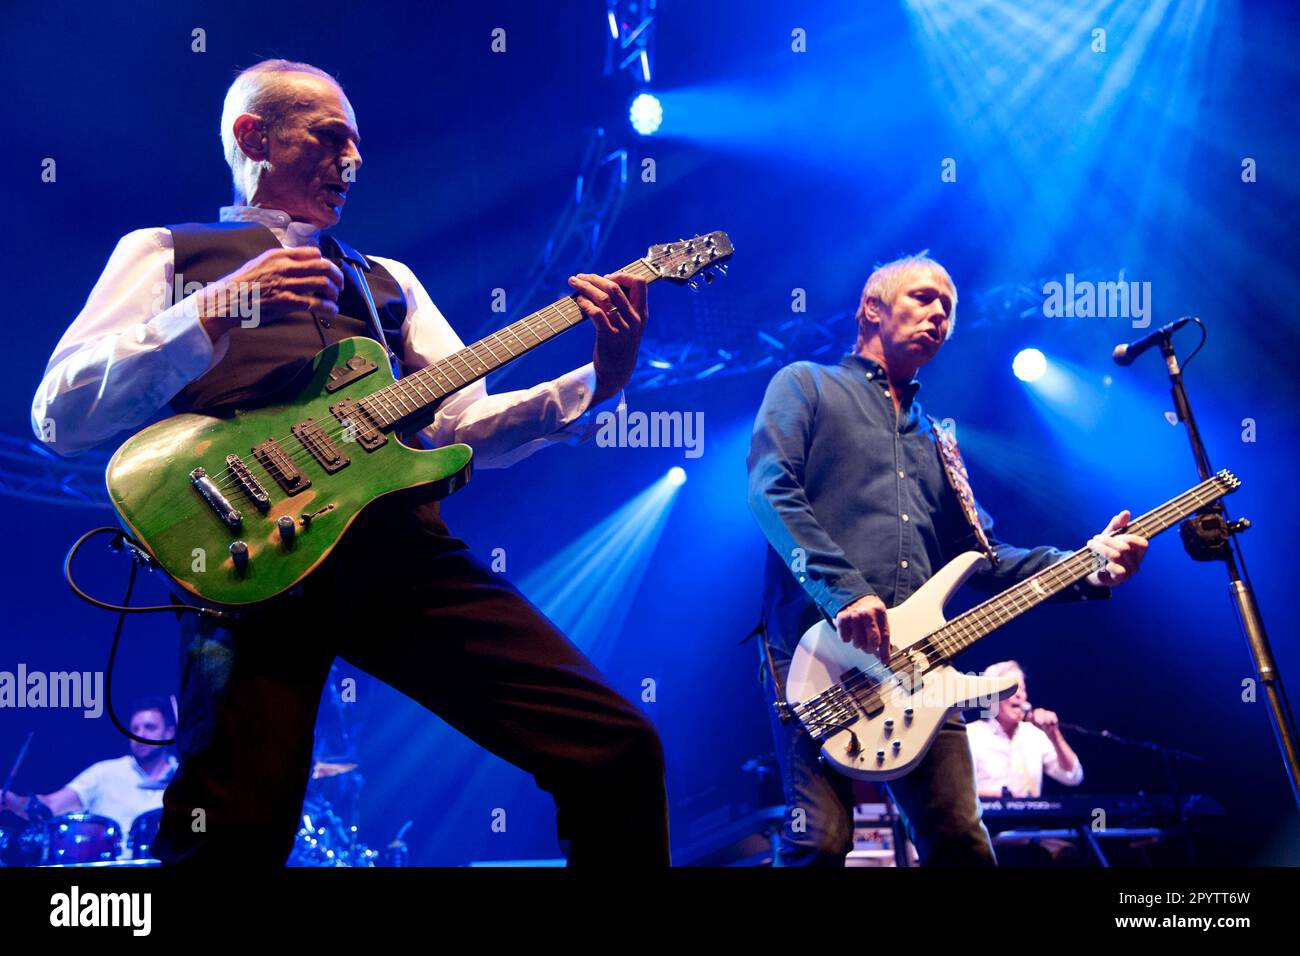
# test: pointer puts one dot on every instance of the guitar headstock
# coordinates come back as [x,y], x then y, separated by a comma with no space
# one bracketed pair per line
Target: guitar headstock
[684,260]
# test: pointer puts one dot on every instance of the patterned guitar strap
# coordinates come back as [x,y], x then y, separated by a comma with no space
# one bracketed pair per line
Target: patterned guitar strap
[955,469]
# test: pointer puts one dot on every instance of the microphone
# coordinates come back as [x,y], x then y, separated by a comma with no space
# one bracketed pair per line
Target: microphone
[1026,711]
[1125,354]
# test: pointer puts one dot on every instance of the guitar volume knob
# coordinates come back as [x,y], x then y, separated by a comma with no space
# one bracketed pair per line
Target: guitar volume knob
[239,555]
[285,525]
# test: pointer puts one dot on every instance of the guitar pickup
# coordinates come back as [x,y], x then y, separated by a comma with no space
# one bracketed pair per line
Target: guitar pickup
[249,483]
[863,690]
[227,512]
[321,447]
[281,467]
[357,425]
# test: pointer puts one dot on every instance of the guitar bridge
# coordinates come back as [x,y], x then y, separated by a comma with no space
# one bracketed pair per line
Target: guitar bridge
[249,483]
[219,503]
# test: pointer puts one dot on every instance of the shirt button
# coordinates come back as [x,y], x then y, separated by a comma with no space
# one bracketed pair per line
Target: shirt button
[902,564]
[905,517]
[900,473]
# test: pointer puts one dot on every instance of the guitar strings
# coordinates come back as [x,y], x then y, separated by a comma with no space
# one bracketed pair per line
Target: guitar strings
[968,625]
[963,630]
[227,479]
[298,454]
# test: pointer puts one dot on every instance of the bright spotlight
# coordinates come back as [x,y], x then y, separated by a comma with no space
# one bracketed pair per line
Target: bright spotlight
[646,113]
[1029,365]
[676,475]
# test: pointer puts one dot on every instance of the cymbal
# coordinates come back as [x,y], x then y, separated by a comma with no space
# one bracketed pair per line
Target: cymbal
[325,768]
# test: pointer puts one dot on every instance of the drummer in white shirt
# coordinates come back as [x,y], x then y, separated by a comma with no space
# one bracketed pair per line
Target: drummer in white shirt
[1014,746]
[122,788]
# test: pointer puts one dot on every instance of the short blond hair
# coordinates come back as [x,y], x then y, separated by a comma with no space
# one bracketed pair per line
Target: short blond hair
[887,279]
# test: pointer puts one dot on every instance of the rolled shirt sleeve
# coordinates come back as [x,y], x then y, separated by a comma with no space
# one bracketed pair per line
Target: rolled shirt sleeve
[1052,766]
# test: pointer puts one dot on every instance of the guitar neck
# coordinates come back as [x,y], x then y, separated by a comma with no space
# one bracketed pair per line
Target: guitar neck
[413,397]
[964,630]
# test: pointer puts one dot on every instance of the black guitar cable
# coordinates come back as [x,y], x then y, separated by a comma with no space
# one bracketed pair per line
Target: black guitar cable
[140,556]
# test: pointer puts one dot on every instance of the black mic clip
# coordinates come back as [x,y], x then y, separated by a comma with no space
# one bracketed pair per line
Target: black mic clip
[1207,535]
[1125,353]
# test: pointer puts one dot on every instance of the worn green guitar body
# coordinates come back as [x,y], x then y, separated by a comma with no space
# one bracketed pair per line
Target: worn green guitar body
[341,468]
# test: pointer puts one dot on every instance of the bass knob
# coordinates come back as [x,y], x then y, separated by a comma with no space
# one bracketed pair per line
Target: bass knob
[287,528]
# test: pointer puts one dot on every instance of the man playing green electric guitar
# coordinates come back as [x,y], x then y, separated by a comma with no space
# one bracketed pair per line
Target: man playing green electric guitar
[275,355]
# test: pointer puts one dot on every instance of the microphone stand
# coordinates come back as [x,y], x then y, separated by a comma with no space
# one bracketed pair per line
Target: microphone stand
[1210,536]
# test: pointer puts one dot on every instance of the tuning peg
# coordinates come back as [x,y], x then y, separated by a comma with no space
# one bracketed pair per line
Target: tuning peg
[708,278]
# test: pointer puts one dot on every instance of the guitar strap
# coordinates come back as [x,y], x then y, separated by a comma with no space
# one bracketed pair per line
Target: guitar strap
[958,478]
[354,267]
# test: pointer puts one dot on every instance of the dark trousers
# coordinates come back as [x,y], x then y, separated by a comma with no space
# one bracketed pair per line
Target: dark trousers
[937,800]
[404,601]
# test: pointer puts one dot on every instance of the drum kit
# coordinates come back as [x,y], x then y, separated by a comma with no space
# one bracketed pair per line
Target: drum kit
[328,835]
[81,839]
[324,838]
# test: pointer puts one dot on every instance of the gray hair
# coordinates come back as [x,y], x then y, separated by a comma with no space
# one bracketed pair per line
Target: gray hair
[886,282]
[1002,668]
[264,90]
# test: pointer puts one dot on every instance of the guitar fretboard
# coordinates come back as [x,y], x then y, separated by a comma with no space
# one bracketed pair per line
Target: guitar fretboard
[413,395]
[964,630]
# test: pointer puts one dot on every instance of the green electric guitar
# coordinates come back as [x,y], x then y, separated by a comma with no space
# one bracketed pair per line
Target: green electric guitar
[241,508]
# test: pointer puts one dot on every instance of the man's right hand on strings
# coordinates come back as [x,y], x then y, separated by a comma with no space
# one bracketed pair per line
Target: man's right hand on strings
[864,625]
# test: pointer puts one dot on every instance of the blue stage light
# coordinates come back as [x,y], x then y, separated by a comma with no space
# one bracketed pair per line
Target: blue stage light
[1029,365]
[676,475]
[646,113]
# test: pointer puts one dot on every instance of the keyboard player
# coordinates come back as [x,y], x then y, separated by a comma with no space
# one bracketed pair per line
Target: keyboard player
[1014,746]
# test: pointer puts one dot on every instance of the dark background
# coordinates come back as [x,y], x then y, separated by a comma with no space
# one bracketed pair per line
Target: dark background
[818,164]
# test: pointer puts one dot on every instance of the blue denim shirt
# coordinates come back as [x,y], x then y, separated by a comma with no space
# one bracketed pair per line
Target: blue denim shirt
[853,499]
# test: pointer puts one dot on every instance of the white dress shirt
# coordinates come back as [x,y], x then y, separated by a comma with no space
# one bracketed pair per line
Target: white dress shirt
[1016,762]
[129,352]
[112,788]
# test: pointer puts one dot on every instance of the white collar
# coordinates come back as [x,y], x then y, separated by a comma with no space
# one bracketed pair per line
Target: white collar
[172,764]
[290,233]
